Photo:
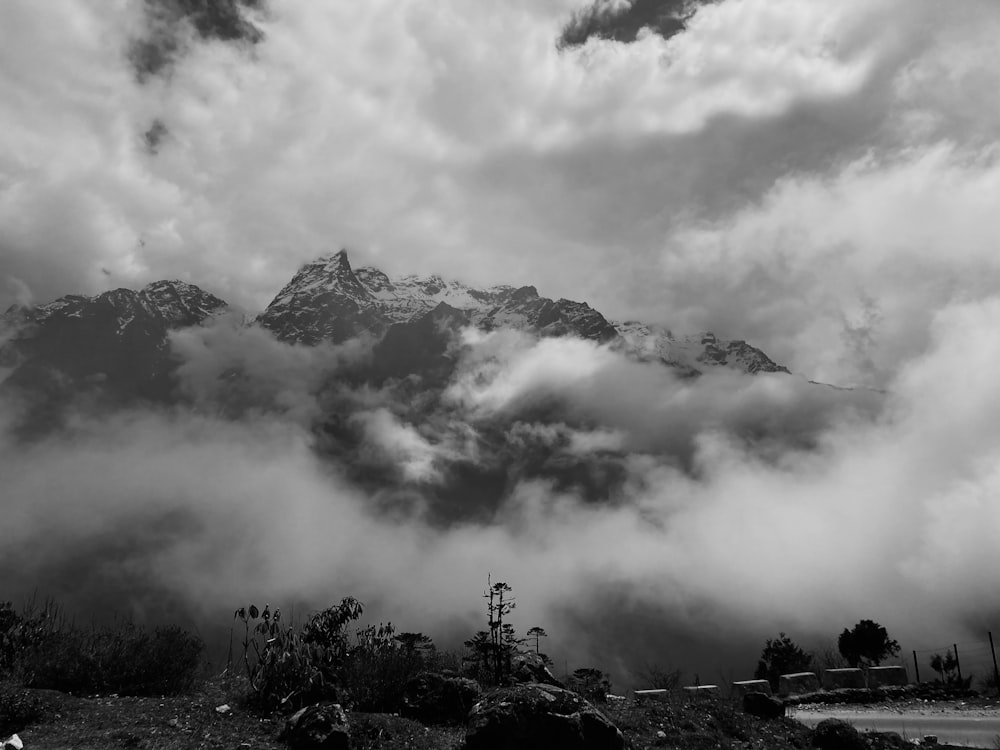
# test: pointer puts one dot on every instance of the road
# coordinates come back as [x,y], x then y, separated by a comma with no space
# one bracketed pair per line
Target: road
[979,729]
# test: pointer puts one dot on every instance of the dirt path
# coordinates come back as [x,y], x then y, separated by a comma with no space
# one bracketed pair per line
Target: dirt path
[953,725]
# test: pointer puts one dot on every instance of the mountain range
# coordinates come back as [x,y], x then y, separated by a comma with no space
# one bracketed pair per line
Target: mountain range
[116,344]
[370,365]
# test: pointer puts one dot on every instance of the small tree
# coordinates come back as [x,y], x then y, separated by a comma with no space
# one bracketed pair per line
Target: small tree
[537,633]
[479,657]
[502,638]
[780,656]
[946,666]
[867,643]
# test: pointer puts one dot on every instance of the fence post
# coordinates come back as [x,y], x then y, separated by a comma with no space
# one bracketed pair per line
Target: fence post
[916,666]
[996,672]
[958,663]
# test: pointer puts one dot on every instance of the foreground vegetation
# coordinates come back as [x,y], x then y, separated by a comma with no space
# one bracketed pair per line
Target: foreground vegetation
[122,685]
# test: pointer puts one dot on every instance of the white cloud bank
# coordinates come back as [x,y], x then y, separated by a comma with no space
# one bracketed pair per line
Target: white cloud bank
[817,177]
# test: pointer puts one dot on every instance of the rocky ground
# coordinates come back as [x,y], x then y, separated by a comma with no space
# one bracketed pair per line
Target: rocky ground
[195,721]
[212,717]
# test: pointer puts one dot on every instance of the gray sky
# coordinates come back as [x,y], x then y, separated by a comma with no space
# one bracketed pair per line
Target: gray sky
[817,177]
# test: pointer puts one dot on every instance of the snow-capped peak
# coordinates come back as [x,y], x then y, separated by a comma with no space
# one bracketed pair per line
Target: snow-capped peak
[326,299]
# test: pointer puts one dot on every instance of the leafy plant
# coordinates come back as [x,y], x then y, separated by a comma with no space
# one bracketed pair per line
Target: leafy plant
[286,669]
[780,656]
[867,643]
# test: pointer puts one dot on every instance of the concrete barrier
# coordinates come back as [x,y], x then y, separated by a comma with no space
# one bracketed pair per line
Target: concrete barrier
[651,695]
[798,683]
[887,677]
[835,679]
[743,687]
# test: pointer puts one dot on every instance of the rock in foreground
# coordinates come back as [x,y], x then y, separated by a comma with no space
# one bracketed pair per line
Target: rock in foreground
[432,698]
[320,727]
[539,717]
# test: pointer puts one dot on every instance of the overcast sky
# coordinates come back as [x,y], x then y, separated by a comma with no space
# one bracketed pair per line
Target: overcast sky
[819,177]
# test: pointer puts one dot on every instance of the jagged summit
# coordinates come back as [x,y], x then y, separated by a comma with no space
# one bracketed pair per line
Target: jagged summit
[691,354]
[323,301]
[117,340]
[166,303]
[328,300]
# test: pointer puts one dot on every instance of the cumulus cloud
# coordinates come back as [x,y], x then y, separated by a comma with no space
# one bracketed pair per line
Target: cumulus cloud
[428,141]
[819,178]
[831,511]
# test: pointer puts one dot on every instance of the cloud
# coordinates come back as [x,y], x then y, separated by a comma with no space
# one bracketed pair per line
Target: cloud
[428,141]
[818,178]
[906,235]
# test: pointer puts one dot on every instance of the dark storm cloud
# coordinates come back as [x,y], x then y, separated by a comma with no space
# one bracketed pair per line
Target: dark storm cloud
[622,20]
[155,51]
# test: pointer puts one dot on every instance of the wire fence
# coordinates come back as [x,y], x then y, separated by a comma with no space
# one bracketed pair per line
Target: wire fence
[962,660]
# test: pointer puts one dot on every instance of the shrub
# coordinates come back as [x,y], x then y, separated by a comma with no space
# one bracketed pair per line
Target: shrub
[124,659]
[780,656]
[9,628]
[380,664]
[18,710]
[591,683]
[288,670]
[947,667]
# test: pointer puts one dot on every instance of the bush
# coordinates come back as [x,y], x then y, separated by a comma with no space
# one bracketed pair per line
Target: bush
[287,670]
[591,683]
[377,669]
[10,623]
[18,710]
[44,650]
[125,659]
[780,656]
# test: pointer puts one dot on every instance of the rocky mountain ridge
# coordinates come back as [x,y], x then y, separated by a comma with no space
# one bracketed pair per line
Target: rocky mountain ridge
[119,339]
[328,299]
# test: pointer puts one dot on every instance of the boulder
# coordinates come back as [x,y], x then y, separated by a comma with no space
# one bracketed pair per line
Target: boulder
[839,679]
[834,734]
[798,683]
[887,677]
[763,706]
[743,687]
[319,727]
[539,717]
[433,698]
[529,667]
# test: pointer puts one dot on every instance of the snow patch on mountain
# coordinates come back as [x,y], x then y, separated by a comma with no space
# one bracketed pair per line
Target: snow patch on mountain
[328,300]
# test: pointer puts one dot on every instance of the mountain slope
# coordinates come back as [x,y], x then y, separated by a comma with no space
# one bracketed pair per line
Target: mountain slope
[115,341]
[328,300]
